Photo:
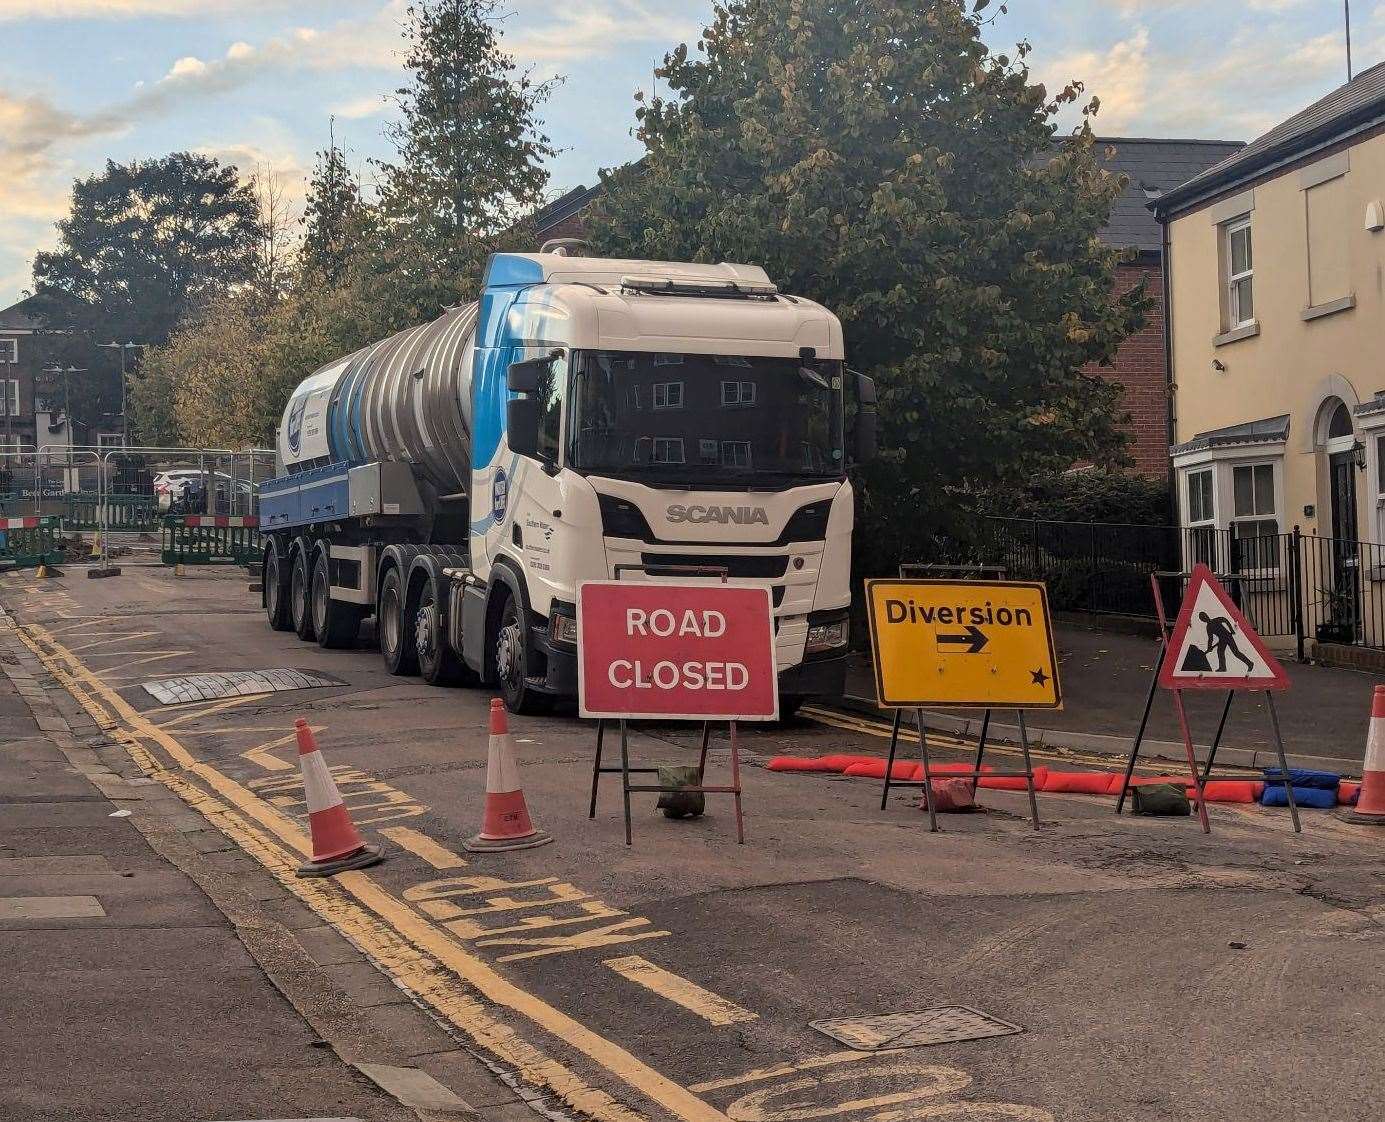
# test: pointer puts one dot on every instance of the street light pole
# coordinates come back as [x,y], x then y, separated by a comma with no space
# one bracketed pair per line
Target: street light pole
[124,415]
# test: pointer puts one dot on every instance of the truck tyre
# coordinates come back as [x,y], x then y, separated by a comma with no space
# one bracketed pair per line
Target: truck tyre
[275,578]
[395,624]
[510,661]
[437,661]
[789,704]
[300,594]
[335,624]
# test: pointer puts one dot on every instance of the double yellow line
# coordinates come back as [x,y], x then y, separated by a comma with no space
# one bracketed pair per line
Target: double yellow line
[422,958]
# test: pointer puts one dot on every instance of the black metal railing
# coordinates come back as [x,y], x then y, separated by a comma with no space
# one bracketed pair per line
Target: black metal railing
[1311,588]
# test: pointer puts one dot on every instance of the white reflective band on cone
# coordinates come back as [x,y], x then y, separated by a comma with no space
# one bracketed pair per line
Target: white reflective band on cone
[318,786]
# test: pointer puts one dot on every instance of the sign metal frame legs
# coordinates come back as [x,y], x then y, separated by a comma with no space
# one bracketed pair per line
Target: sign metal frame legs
[1200,776]
[975,774]
[625,771]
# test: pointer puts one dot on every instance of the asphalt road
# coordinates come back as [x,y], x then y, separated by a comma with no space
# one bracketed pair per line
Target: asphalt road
[1156,973]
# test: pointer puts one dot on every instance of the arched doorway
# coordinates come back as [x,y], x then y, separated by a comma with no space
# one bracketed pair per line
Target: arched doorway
[1337,441]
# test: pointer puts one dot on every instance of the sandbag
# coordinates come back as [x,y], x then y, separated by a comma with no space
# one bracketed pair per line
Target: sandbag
[1348,793]
[1078,782]
[1303,777]
[1163,800]
[840,763]
[798,763]
[680,804]
[1010,783]
[952,796]
[875,769]
[1315,798]
[1230,791]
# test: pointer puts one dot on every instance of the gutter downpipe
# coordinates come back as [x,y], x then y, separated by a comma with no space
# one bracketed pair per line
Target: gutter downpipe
[1171,389]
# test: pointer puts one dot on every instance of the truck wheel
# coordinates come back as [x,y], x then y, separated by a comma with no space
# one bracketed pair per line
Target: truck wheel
[276,591]
[437,661]
[300,589]
[510,662]
[336,624]
[789,704]
[398,646]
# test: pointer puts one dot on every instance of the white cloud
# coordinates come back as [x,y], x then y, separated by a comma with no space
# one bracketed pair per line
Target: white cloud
[1118,76]
[128,9]
[356,108]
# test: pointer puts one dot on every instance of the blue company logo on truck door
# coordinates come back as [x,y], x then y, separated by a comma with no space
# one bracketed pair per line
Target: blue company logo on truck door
[295,433]
[500,495]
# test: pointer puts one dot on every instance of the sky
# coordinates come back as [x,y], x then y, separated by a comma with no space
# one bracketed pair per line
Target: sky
[255,82]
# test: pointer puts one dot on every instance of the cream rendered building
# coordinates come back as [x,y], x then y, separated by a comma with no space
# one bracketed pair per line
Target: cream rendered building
[1275,275]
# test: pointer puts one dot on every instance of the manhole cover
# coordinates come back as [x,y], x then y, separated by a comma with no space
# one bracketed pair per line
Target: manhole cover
[946,1024]
[239,683]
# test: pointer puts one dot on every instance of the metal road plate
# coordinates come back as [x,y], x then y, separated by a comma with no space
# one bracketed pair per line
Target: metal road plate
[238,683]
[946,1024]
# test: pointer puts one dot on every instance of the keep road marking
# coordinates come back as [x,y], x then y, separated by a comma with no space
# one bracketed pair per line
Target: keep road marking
[707,1005]
[421,845]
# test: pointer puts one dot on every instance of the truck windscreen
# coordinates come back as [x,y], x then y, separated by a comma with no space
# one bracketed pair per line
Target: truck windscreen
[696,418]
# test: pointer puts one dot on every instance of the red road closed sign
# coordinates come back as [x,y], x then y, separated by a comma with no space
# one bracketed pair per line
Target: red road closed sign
[702,652]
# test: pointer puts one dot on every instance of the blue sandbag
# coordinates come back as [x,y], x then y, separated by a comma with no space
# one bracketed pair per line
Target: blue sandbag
[1303,777]
[1314,797]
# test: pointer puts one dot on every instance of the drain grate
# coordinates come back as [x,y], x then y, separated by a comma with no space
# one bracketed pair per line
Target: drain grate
[946,1024]
[238,683]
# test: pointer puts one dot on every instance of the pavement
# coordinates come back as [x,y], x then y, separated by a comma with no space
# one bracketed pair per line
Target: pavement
[1105,679]
[127,992]
[1155,972]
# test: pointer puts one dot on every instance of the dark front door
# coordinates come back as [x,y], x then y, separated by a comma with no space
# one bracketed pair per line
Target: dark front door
[1344,597]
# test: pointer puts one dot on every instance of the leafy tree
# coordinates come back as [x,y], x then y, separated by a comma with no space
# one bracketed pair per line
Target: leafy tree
[147,241]
[334,218]
[469,164]
[875,155]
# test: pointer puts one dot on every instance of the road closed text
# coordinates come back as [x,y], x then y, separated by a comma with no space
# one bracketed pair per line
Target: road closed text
[696,651]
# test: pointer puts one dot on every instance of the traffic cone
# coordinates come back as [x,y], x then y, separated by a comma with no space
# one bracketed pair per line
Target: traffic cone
[1370,804]
[336,844]
[506,823]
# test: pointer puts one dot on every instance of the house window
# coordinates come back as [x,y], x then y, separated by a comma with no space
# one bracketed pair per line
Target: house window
[1240,275]
[668,395]
[1202,530]
[1380,487]
[667,450]
[110,440]
[1255,522]
[9,350]
[735,453]
[737,393]
[9,397]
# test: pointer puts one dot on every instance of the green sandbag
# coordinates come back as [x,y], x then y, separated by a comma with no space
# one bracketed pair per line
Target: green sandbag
[681,804]
[1162,799]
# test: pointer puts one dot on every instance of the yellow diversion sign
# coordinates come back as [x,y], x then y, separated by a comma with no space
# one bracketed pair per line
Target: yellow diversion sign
[981,644]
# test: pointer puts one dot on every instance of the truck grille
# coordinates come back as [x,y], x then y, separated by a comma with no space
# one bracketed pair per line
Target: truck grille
[744,567]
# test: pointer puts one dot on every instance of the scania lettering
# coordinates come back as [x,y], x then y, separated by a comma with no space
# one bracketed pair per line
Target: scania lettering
[736,515]
[586,418]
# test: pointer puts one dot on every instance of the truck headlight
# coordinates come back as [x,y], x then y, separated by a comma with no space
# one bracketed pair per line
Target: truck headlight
[826,636]
[562,629]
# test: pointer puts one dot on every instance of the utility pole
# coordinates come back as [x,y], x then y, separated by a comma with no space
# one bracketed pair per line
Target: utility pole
[1346,6]
[124,416]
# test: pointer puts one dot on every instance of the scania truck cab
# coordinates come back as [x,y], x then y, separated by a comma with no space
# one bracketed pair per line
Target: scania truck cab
[587,419]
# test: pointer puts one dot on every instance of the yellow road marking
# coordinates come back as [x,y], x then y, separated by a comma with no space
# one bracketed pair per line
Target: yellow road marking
[261,753]
[208,709]
[414,928]
[755,1075]
[421,845]
[112,639]
[707,1005]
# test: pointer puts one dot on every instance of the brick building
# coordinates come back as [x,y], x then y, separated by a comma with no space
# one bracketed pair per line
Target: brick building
[1154,166]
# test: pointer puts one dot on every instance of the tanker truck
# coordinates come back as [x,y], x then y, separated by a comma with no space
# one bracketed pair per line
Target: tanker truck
[586,418]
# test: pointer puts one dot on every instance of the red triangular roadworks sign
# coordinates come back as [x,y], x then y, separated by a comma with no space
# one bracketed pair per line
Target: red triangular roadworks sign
[1213,647]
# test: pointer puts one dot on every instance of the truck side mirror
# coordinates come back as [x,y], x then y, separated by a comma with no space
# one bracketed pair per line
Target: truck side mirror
[522,424]
[524,377]
[867,418]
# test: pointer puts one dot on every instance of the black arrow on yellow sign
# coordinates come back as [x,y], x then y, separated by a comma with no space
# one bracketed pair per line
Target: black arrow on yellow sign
[974,639]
